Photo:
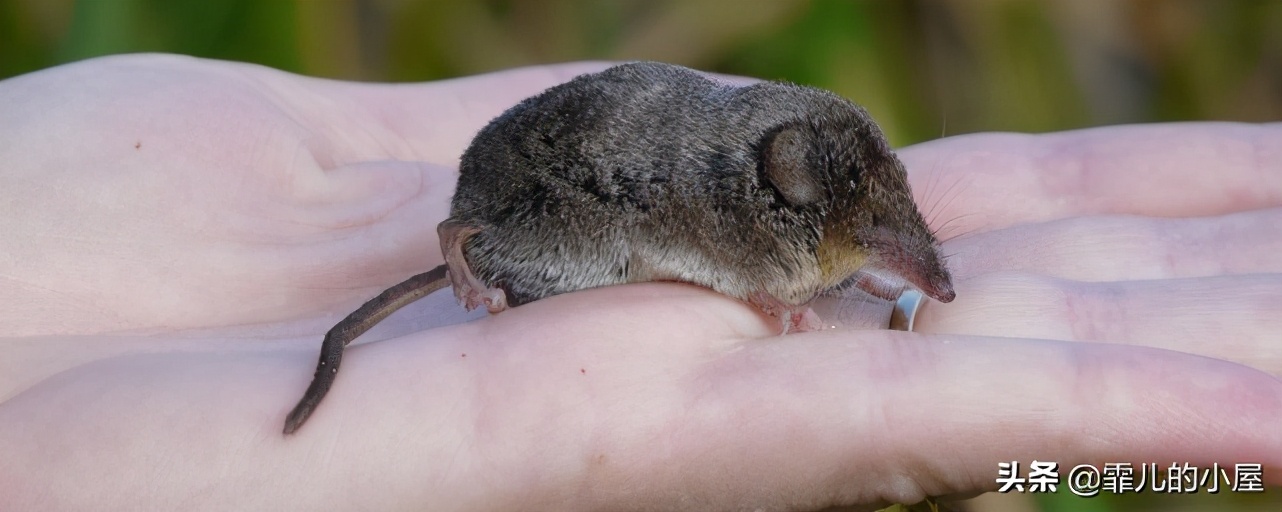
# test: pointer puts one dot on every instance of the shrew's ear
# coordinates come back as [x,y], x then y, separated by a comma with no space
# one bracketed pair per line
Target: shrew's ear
[790,165]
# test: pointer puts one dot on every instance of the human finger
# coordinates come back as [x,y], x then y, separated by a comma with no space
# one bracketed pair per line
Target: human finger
[635,414]
[235,397]
[1227,317]
[800,422]
[1126,247]
[987,181]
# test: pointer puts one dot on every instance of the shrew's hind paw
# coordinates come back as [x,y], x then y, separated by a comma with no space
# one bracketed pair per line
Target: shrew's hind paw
[470,291]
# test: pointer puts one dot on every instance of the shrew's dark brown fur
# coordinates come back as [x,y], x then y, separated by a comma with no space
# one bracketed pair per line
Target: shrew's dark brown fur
[772,193]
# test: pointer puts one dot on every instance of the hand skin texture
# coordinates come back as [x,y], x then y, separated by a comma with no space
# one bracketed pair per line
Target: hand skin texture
[179,233]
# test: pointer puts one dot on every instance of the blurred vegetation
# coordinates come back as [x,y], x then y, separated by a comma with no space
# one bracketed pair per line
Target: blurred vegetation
[923,68]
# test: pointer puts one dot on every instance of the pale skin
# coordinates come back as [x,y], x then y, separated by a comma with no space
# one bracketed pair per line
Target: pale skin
[180,233]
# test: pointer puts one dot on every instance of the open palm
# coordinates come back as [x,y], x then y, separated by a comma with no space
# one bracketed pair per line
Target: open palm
[179,233]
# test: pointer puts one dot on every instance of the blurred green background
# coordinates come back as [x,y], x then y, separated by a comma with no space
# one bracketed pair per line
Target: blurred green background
[923,68]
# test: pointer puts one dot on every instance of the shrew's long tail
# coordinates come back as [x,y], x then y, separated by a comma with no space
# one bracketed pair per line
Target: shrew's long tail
[361,320]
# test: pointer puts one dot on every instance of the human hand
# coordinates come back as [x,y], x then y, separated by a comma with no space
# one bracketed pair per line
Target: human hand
[656,396]
[160,192]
